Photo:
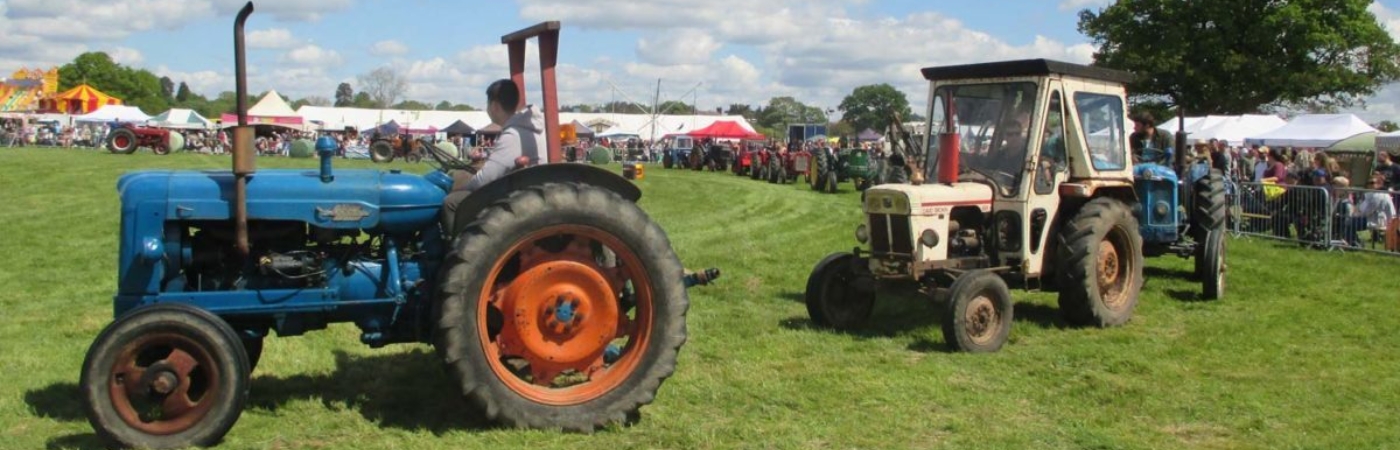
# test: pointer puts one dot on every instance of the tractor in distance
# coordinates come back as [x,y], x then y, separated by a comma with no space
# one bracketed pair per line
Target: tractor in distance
[1034,184]
[127,137]
[831,167]
[553,300]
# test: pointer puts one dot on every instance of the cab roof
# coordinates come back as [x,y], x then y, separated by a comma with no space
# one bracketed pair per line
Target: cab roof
[1024,68]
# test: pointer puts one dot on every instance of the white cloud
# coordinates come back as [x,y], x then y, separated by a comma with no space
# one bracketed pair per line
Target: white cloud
[313,55]
[1388,18]
[1075,5]
[203,82]
[288,11]
[678,46]
[126,56]
[273,38]
[388,48]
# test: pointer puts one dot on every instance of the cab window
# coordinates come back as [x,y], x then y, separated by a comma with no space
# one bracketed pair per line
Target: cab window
[1101,122]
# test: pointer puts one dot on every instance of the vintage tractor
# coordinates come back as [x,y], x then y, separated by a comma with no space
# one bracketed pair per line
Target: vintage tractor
[833,167]
[1049,194]
[678,152]
[384,149]
[788,165]
[553,300]
[125,139]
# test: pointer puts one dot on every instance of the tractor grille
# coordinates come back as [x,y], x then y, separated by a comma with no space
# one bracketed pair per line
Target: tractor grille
[889,233]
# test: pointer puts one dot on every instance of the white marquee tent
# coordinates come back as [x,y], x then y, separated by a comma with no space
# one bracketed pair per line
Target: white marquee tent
[1389,142]
[1314,130]
[1237,128]
[635,124]
[181,118]
[117,113]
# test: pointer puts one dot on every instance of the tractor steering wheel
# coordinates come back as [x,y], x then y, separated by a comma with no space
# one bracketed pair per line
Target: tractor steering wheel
[1152,155]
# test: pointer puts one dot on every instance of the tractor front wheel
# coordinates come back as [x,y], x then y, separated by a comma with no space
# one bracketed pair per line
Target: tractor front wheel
[1212,255]
[165,376]
[839,293]
[1208,214]
[1100,272]
[561,306]
[978,319]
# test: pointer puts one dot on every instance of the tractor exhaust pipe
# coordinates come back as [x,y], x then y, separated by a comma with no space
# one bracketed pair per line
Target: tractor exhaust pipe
[243,165]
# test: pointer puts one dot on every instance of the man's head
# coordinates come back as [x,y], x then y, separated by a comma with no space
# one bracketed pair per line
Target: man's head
[502,98]
[1143,121]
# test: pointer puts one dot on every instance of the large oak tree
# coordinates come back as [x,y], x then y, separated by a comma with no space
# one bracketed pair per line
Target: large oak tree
[1236,56]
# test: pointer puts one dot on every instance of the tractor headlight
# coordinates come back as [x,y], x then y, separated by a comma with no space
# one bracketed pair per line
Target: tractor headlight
[1162,209]
[929,238]
[862,234]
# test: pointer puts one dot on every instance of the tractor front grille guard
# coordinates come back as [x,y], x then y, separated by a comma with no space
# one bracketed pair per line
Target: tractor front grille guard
[890,233]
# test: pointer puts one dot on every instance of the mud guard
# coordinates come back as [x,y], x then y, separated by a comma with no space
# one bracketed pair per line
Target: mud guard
[545,173]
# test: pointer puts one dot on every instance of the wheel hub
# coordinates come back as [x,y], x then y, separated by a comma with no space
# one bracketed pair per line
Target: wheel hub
[559,315]
[981,319]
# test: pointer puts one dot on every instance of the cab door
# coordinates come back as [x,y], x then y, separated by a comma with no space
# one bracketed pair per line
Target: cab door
[1049,166]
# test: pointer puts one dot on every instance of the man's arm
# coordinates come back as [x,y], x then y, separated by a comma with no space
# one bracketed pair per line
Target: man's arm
[501,160]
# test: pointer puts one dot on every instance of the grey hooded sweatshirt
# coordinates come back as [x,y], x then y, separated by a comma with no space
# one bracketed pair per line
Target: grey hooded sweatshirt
[523,135]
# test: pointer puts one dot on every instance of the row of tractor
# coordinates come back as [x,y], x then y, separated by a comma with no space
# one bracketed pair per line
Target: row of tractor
[822,168]
[554,301]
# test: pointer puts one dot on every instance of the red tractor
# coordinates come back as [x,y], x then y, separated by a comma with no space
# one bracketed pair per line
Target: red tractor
[796,162]
[126,138]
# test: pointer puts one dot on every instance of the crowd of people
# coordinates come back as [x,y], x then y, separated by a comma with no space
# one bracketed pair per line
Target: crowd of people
[22,133]
[1303,194]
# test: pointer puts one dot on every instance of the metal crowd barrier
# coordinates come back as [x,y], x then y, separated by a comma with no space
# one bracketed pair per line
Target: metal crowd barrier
[1317,216]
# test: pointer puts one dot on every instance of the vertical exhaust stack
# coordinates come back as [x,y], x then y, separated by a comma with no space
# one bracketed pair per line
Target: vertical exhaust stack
[949,147]
[243,165]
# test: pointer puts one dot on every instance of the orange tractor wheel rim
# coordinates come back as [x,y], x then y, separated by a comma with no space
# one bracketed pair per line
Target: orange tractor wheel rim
[561,312]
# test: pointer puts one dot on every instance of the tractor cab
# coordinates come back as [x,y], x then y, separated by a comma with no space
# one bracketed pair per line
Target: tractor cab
[1010,145]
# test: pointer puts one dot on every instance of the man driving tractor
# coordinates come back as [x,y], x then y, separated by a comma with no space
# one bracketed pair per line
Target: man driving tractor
[519,145]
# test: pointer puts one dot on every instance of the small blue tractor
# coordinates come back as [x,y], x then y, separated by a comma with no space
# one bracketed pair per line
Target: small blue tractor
[553,301]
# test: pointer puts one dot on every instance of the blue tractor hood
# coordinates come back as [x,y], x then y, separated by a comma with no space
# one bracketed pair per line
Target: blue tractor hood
[391,202]
[1155,172]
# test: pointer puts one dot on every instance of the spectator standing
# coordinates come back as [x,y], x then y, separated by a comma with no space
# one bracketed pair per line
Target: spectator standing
[1388,170]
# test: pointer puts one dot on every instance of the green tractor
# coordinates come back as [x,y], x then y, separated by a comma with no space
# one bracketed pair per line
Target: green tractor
[830,167]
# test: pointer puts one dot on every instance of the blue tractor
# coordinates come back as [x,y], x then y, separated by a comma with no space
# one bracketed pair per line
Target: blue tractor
[554,301]
[1182,212]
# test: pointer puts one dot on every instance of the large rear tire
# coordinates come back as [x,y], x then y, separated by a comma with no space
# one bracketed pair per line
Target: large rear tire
[1100,272]
[979,313]
[561,306]
[165,376]
[122,141]
[839,294]
[381,151]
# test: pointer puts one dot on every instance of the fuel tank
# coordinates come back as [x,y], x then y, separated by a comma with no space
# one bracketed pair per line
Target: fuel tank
[390,202]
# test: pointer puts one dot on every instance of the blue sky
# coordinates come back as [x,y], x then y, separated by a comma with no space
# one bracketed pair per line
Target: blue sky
[736,51]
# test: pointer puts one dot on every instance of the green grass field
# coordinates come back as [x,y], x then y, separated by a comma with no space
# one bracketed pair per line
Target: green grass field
[1301,354]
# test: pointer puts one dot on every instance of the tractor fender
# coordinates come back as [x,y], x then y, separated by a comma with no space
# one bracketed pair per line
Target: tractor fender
[494,191]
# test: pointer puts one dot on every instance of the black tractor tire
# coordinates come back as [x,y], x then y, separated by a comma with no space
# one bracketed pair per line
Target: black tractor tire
[823,165]
[152,343]
[832,182]
[839,294]
[1100,273]
[486,250]
[668,161]
[253,347]
[1209,205]
[122,141]
[1213,257]
[413,158]
[979,313]
[381,151]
